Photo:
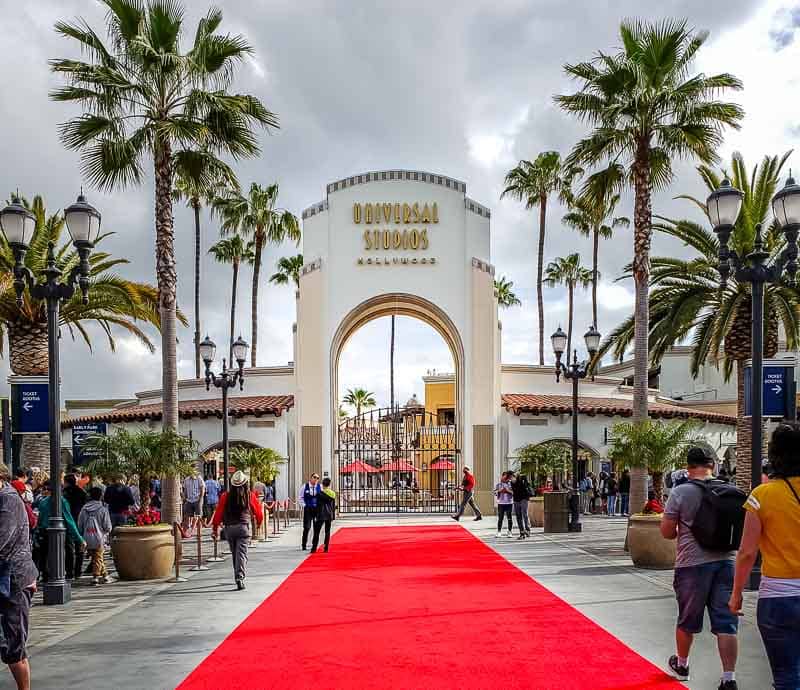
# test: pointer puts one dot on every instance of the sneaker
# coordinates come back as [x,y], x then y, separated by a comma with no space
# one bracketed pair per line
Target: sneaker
[528,533]
[680,672]
[521,536]
[106,580]
[728,685]
[499,534]
[479,517]
[455,517]
[509,534]
[95,581]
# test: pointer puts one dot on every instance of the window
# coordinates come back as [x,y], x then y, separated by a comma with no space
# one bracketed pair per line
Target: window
[446,416]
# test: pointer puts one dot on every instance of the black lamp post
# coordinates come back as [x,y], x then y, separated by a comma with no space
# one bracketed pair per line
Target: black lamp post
[228,378]
[724,205]
[574,371]
[83,224]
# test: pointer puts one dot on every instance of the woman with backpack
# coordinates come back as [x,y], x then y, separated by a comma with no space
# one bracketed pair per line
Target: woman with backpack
[522,492]
[772,525]
[234,511]
[94,523]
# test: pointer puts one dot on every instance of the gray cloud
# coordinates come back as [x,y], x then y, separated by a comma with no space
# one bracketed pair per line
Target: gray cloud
[787,20]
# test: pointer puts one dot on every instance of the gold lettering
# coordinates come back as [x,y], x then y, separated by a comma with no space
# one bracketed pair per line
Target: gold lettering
[423,237]
[396,239]
[403,260]
[387,213]
[369,261]
[356,213]
[414,260]
[435,211]
[376,234]
[367,240]
[433,259]
[387,239]
[414,240]
[397,213]
[405,239]
[426,214]
[415,213]
[367,213]
[423,260]
[406,213]
[361,261]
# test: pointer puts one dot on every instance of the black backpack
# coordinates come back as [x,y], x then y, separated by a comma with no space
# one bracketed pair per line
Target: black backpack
[719,521]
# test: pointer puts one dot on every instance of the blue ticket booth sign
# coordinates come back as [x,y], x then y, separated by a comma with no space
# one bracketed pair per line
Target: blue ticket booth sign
[778,389]
[30,412]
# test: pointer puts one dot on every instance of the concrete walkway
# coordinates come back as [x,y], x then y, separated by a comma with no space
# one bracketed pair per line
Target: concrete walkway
[152,635]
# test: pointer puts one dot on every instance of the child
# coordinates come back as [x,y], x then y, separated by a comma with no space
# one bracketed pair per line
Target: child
[326,507]
[652,506]
[94,522]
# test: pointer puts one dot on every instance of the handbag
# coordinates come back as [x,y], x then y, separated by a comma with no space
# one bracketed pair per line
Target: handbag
[5,579]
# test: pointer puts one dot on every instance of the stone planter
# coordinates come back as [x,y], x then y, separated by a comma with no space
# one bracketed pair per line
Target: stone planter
[536,511]
[647,547]
[143,553]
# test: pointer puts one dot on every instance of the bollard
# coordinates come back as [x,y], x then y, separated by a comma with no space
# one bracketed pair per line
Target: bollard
[178,554]
[216,558]
[199,559]
[275,520]
[286,514]
[253,532]
[265,514]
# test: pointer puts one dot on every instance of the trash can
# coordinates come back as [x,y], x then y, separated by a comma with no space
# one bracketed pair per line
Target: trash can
[556,512]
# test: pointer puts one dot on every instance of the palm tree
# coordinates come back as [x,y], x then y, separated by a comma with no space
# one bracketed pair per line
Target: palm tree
[256,215]
[646,107]
[568,271]
[288,269]
[232,250]
[145,98]
[199,193]
[113,303]
[593,218]
[505,295]
[534,183]
[359,398]
[686,301]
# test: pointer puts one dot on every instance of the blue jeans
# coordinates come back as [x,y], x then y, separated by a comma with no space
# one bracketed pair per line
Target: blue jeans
[626,504]
[612,503]
[701,587]
[779,625]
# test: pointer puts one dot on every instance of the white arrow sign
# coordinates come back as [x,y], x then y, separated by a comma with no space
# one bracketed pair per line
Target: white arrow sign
[27,407]
[776,389]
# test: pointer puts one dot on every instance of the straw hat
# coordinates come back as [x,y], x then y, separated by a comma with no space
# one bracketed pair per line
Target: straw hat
[239,478]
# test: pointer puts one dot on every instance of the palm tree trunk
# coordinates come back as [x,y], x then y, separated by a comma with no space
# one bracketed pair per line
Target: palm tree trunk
[167,277]
[27,344]
[571,293]
[641,276]
[234,289]
[539,272]
[744,434]
[196,205]
[595,247]
[259,241]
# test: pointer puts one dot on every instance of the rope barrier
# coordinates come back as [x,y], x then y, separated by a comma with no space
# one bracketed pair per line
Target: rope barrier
[198,523]
[176,530]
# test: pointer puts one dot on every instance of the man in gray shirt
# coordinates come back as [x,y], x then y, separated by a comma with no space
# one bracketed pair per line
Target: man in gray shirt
[17,581]
[703,578]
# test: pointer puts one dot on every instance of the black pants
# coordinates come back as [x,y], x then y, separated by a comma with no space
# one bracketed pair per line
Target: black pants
[309,517]
[73,559]
[504,509]
[317,529]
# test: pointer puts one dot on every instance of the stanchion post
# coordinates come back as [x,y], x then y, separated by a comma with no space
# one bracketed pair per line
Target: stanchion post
[286,515]
[216,558]
[264,522]
[178,553]
[199,561]
[253,532]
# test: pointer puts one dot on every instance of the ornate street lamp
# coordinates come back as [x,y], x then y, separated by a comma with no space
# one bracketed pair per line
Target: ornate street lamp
[574,371]
[225,380]
[83,224]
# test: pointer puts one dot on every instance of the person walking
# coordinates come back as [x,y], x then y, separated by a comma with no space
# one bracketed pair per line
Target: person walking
[703,577]
[94,523]
[326,514]
[72,533]
[119,499]
[309,493]
[611,490]
[585,487]
[505,501]
[625,493]
[76,498]
[212,496]
[772,525]
[235,510]
[467,496]
[17,581]
[522,493]
[194,489]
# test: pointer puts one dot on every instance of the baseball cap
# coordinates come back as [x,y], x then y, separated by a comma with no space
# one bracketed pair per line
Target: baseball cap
[699,456]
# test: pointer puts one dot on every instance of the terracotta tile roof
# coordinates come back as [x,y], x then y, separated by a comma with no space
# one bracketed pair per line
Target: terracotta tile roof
[622,407]
[253,405]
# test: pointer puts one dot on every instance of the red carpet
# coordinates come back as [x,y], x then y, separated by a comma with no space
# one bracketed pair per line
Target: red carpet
[419,607]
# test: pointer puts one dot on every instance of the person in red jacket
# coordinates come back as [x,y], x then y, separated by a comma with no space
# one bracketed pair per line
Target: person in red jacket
[468,489]
[234,511]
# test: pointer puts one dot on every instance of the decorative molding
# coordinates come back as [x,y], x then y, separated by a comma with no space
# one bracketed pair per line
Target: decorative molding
[311,267]
[398,175]
[475,207]
[319,207]
[483,266]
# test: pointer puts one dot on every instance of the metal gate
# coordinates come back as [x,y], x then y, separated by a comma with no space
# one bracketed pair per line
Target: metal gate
[398,460]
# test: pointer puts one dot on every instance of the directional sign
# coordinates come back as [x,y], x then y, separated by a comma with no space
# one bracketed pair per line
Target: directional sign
[80,432]
[777,385]
[30,413]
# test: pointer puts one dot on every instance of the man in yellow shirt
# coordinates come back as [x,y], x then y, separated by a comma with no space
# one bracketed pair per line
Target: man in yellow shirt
[772,525]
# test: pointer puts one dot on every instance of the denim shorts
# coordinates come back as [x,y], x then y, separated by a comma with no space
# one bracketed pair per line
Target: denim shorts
[14,614]
[701,587]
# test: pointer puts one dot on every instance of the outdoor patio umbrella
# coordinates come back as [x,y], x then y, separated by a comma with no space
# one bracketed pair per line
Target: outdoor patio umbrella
[443,464]
[357,467]
[399,466]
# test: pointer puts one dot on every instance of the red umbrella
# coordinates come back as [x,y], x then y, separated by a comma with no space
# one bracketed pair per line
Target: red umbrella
[358,466]
[442,464]
[399,466]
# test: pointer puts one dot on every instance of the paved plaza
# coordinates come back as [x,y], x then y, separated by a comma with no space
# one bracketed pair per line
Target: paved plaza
[153,635]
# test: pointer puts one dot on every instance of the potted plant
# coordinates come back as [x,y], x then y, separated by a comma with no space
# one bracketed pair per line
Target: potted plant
[539,461]
[144,549]
[657,447]
[262,464]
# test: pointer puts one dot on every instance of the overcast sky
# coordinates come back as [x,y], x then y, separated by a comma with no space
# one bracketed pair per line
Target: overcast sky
[460,88]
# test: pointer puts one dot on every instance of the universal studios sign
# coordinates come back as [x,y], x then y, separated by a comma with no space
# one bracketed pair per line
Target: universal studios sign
[397,233]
